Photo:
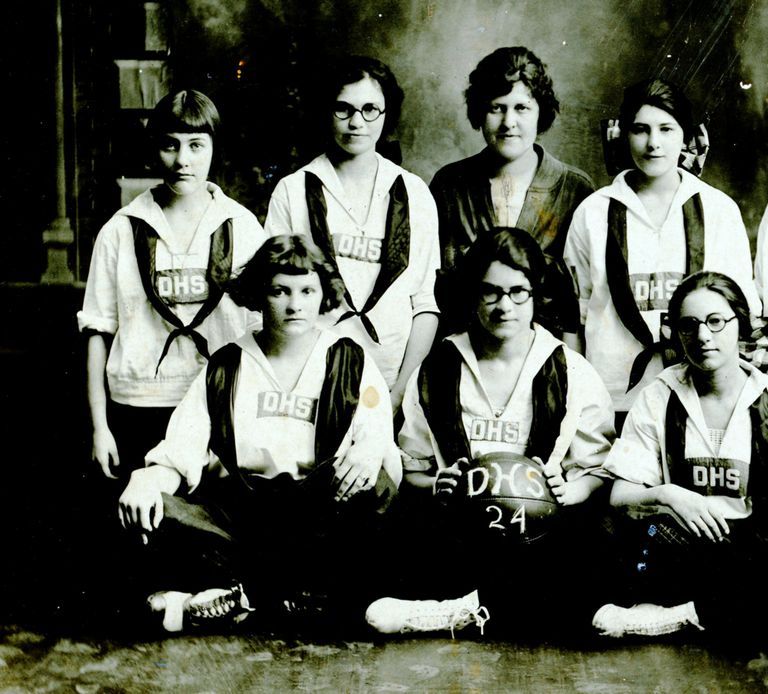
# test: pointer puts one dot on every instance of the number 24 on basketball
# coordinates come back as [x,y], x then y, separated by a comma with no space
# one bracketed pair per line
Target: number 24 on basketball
[518,517]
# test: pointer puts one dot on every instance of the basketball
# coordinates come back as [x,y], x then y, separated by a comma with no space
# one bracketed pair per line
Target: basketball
[511,496]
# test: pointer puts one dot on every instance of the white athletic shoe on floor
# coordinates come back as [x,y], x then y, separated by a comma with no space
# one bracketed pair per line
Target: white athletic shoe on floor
[392,616]
[207,606]
[644,619]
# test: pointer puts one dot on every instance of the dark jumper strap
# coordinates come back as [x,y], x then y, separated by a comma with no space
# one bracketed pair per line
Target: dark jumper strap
[440,399]
[616,266]
[339,396]
[218,272]
[396,249]
[221,386]
[675,424]
[550,393]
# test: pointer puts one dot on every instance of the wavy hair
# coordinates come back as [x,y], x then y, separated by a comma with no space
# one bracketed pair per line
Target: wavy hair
[291,255]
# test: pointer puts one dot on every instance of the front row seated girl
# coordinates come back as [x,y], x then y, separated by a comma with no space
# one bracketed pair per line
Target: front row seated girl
[506,387]
[690,471]
[267,485]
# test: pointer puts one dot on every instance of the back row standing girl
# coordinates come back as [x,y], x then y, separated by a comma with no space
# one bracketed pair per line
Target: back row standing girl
[513,182]
[631,243]
[376,220]
[154,304]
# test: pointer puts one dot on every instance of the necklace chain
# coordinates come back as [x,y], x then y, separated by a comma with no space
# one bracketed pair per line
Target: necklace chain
[185,255]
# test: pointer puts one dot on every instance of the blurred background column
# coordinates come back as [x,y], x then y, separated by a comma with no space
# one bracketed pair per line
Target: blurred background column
[59,237]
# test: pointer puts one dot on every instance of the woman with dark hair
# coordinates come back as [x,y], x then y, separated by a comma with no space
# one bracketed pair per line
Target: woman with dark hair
[374,219]
[690,470]
[513,181]
[155,305]
[298,421]
[632,242]
[505,386]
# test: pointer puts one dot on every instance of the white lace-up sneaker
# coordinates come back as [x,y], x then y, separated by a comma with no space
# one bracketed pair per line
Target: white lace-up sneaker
[207,606]
[644,619]
[392,616]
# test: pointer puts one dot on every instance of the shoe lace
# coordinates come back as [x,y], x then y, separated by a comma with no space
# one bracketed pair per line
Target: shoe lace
[466,616]
[433,620]
[219,606]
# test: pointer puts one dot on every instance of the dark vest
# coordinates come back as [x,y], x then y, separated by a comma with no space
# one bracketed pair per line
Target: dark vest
[616,267]
[439,395]
[218,273]
[395,253]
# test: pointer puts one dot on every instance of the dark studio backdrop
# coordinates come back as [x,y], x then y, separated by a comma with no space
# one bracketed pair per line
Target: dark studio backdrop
[256,59]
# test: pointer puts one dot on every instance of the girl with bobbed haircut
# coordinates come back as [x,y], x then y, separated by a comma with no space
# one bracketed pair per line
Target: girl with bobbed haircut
[720,284]
[290,255]
[514,248]
[511,100]
[360,207]
[631,243]
[496,74]
[505,372]
[156,285]
[299,417]
[184,111]
[353,68]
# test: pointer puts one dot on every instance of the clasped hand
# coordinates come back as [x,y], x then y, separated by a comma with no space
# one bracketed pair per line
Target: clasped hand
[697,513]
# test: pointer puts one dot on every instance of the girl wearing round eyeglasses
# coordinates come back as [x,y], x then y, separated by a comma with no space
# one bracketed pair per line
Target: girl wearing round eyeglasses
[504,385]
[375,220]
[690,469]
[631,243]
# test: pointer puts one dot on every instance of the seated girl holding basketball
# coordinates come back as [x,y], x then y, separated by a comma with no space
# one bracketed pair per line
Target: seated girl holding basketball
[691,477]
[276,461]
[507,428]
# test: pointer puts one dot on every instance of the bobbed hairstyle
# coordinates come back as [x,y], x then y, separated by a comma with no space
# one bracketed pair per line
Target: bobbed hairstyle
[495,76]
[290,255]
[719,284]
[514,248]
[184,111]
[662,94]
[353,68]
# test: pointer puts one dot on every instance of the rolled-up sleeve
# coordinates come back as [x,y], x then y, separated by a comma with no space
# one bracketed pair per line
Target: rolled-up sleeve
[99,312]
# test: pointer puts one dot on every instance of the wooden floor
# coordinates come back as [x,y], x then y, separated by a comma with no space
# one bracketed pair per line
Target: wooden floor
[33,661]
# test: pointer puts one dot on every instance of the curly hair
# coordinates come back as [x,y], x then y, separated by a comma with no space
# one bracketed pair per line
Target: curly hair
[291,255]
[495,76]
